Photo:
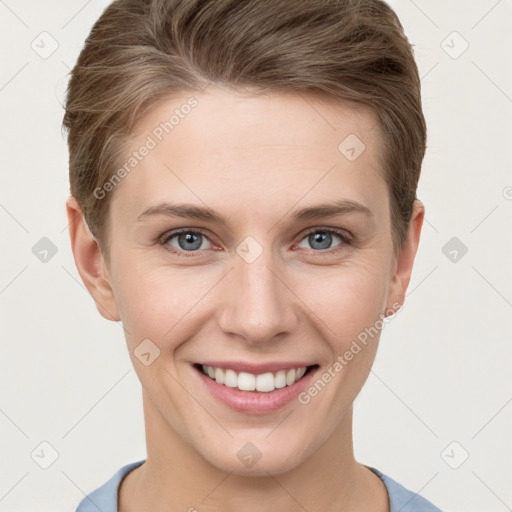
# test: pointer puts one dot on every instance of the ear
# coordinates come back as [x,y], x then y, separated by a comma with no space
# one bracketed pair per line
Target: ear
[90,262]
[405,258]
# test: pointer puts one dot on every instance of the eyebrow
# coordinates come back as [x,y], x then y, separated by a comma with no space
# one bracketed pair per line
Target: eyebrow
[190,211]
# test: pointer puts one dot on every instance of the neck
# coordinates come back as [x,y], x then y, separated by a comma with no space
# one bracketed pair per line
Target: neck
[176,478]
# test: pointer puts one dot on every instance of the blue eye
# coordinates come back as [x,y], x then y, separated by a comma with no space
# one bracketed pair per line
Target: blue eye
[192,241]
[188,241]
[321,239]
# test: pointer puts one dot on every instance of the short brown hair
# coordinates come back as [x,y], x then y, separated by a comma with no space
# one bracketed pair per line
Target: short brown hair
[142,51]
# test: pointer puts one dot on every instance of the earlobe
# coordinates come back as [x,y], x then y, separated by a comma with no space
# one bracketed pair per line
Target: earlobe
[405,259]
[90,262]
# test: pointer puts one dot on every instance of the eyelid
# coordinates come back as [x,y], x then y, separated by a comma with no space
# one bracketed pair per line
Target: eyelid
[346,237]
[164,239]
[343,233]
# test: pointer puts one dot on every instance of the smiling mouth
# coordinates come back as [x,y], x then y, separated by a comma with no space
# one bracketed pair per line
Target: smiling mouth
[263,383]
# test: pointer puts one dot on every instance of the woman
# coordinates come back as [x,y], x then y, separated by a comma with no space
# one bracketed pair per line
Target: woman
[243,198]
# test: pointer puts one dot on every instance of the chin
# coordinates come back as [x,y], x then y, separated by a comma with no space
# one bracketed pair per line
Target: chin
[259,457]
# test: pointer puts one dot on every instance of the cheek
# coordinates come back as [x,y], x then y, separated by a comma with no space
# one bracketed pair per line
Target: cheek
[154,302]
[349,305]
[160,303]
[348,300]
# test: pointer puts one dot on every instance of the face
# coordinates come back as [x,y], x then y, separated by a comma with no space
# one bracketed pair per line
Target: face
[249,250]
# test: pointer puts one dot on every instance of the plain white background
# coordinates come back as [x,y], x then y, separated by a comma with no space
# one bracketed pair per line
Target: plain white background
[436,412]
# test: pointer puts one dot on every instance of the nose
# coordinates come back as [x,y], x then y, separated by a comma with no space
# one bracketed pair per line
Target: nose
[257,304]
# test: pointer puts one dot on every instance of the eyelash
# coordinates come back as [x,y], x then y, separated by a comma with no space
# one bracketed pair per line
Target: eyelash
[345,238]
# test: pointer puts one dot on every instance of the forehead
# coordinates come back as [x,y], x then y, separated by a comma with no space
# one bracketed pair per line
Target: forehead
[232,148]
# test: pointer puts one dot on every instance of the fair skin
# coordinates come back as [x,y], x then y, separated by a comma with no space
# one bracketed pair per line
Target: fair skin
[255,160]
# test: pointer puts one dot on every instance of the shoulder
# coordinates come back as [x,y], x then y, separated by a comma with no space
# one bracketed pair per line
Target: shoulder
[402,499]
[104,498]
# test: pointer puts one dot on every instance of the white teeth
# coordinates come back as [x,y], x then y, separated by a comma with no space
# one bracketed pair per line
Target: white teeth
[280,379]
[246,381]
[300,373]
[230,379]
[219,375]
[264,383]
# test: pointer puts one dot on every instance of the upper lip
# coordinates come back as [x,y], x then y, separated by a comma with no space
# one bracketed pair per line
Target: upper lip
[256,369]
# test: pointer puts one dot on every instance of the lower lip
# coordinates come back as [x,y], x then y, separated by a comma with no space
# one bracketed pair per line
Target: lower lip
[255,402]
